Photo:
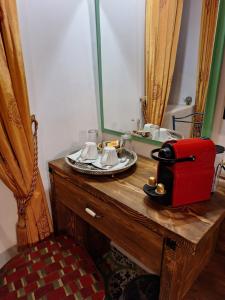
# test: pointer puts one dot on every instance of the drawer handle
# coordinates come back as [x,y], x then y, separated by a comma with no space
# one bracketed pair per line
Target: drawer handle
[91,213]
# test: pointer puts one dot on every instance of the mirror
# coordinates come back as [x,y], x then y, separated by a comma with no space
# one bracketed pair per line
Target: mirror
[150,87]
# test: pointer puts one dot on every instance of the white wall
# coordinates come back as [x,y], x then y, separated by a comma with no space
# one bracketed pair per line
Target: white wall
[57,44]
[185,76]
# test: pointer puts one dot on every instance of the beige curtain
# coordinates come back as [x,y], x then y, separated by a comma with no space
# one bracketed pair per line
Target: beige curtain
[163,19]
[207,36]
[18,149]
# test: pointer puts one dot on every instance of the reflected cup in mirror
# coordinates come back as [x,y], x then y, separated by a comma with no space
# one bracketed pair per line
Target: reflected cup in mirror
[164,134]
[152,129]
[109,156]
[89,151]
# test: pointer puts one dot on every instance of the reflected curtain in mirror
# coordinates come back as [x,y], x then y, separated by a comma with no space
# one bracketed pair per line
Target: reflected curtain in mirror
[163,20]
[207,36]
[18,159]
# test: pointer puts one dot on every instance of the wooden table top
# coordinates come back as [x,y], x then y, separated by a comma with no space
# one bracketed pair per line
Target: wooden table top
[125,190]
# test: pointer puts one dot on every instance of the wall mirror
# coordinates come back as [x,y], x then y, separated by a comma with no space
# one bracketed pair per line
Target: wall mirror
[159,64]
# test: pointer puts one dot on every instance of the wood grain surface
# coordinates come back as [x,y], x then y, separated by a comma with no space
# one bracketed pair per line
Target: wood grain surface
[210,285]
[130,235]
[125,191]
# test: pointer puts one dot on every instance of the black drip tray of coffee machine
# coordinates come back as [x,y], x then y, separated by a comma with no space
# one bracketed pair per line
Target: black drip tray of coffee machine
[155,197]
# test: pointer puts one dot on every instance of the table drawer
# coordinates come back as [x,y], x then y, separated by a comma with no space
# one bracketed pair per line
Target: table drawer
[137,240]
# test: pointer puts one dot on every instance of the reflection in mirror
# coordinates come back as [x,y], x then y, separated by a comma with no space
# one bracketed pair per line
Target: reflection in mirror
[156,57]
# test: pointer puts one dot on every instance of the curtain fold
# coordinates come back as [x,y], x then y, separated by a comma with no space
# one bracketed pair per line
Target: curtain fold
[163,20]
[18,153]
[207,36]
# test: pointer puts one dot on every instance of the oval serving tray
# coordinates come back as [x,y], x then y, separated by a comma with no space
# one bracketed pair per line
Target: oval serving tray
[92,170]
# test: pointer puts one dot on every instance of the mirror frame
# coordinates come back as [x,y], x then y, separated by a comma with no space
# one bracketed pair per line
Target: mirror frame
[214,79]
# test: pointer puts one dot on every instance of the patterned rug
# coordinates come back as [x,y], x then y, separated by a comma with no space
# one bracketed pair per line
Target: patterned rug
[53,269]
[118,271]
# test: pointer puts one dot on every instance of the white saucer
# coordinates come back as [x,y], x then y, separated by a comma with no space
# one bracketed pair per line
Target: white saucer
[97,163]
[76,157]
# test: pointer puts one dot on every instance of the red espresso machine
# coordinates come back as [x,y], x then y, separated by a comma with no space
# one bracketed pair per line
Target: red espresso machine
[185,172]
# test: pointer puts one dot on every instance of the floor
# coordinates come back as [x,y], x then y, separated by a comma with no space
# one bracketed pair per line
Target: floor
[211,283]
[118,271]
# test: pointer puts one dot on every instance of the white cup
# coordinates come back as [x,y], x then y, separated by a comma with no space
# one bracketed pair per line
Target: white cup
[109,156]
[164,134]
[153,129]
[89,151]
[148,127]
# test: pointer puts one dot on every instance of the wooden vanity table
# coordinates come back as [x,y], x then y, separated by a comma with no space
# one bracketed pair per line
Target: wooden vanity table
[175,244]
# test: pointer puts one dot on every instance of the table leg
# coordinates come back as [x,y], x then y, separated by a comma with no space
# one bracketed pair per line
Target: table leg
[170,273]
[181,265]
